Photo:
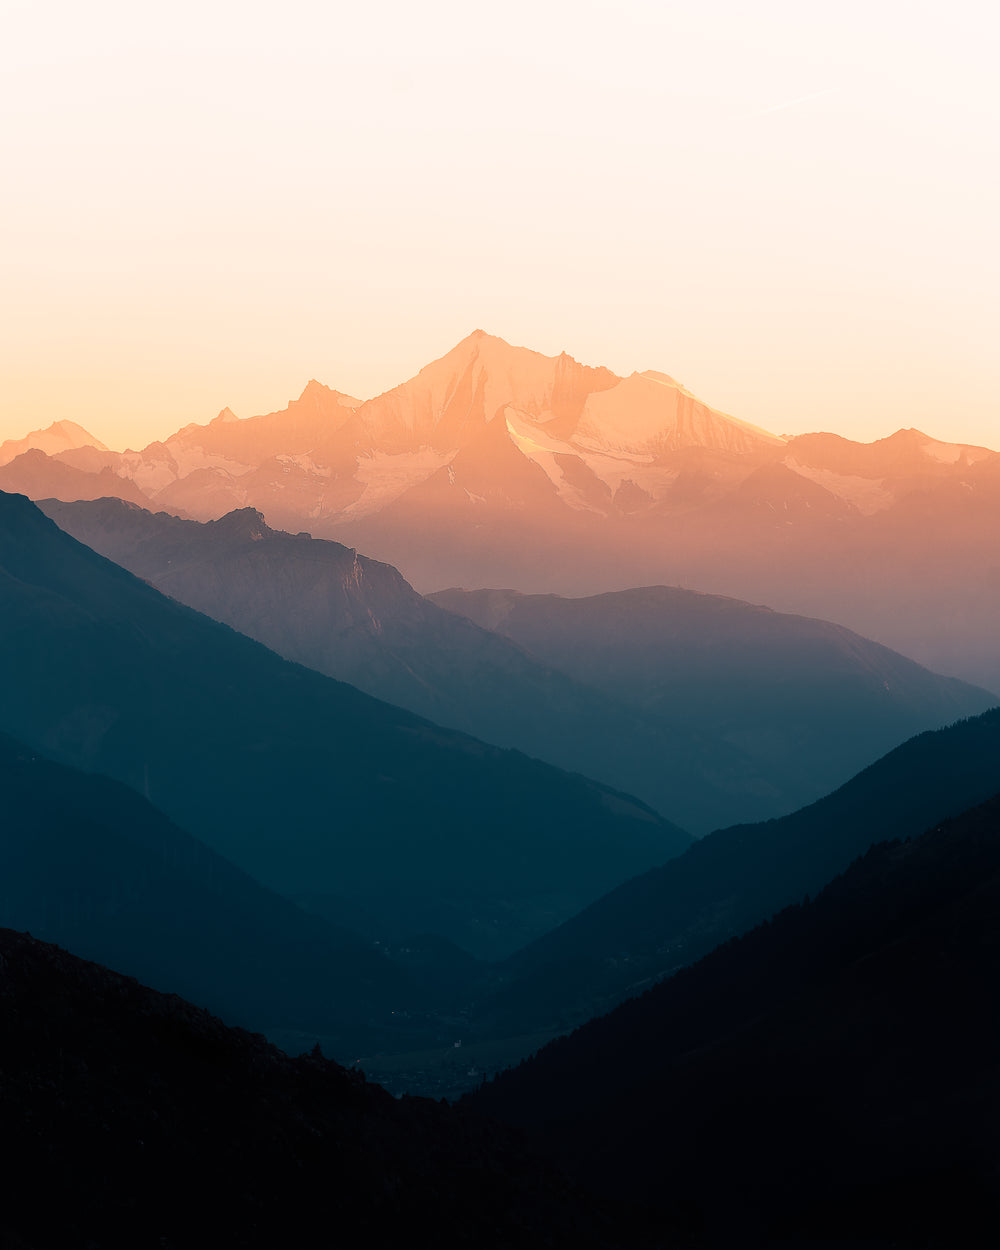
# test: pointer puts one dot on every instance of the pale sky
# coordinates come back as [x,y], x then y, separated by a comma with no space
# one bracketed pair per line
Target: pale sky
[789,206]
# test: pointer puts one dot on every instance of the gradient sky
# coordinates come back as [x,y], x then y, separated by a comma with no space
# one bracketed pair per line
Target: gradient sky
[789,206]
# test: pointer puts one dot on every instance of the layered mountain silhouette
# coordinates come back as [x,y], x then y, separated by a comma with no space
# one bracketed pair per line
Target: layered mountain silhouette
[142,1122]
[710,710]
[319,791]
[735,878]
[323,605]
[498,466]
[90,864]
[829,1079]
[317,857]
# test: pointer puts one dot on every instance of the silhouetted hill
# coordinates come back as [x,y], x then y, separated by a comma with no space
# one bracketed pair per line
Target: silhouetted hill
[828,1079]
[736,878]
[88,863]
[136,1121]
[809,702]
[317,790]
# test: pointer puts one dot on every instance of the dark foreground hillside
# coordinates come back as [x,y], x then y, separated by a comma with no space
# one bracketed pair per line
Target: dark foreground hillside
[833,1077]
[132,1119]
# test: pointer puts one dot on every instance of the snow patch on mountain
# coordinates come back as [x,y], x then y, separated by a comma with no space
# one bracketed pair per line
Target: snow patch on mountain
[385,477]
[649,413]
[153,470]
[867,494]
[308,464]
[952,453]
[641,471]
[543,450]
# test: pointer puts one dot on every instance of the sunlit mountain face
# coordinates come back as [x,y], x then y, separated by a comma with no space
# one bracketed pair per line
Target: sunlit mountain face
[498,466]
[344,460]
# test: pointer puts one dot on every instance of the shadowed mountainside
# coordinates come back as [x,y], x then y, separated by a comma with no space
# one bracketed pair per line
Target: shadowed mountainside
[90,864]
[711,710]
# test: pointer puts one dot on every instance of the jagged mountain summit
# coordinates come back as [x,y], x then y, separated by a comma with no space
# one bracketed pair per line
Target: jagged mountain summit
[593,441]
[496,465]
[344,459]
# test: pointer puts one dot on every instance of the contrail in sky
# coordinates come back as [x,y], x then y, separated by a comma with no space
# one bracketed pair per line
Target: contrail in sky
[813,95]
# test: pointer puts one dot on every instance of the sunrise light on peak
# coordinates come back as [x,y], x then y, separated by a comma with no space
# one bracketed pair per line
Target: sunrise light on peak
[791,209]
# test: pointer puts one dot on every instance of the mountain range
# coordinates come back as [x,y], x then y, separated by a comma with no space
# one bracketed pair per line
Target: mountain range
[326,606]
[496,465]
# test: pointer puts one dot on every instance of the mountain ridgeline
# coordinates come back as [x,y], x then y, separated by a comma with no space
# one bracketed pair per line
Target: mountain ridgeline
[326,606]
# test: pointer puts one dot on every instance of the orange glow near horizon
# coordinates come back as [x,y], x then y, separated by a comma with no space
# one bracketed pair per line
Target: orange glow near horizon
[791,211]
